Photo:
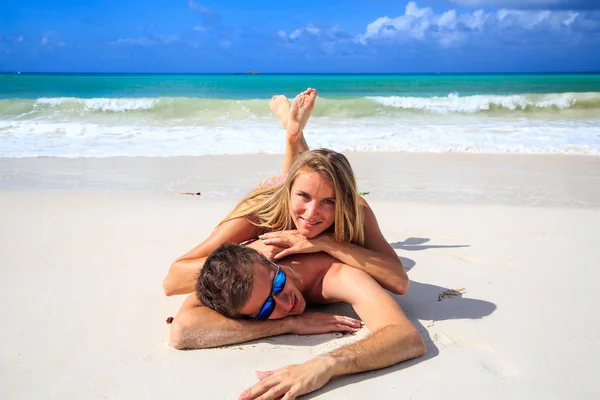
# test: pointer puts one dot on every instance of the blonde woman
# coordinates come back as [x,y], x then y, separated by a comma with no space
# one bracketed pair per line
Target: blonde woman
[314,207]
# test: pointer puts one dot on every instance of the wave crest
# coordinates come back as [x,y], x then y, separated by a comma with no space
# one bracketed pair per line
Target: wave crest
[478,103]
[199,110]
[99,104]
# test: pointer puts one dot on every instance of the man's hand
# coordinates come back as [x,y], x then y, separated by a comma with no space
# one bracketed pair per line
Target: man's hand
[310,323]
[291,381]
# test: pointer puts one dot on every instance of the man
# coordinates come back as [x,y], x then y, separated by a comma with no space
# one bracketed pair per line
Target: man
[263,299]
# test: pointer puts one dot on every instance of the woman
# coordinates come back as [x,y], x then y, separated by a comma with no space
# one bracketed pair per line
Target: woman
[313,207]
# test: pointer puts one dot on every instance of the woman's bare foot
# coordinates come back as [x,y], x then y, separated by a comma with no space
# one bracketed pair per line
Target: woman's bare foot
[280,106]
[299,113]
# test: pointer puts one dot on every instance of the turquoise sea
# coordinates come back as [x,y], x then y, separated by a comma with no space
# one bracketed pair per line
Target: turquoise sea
[90,115]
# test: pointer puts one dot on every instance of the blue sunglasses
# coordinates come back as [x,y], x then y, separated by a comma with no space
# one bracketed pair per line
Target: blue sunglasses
[278,285]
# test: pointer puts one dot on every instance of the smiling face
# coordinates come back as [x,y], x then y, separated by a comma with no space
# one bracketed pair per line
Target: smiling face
[312,204]
[288,302]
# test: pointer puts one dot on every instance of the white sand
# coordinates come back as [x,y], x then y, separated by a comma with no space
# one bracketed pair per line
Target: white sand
[86,243]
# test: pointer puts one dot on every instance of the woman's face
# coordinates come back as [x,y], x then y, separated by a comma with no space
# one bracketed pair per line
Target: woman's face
[312,204]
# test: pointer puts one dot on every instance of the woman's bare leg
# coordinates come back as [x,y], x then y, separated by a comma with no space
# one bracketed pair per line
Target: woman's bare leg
[294,119]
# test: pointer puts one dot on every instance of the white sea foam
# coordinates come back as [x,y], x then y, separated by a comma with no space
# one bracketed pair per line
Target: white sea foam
[566,123]
[102,104]
[472,104]
[261,135]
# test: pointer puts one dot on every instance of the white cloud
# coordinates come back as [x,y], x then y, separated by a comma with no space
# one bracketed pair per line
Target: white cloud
[146,41]
[449,28]
[311,29]
[572,17]
[450,39]
[533,19]
[412,10]
[198,8]
[510,3]
[198,28]
[47,42]
[448,19]
[296,34]
[475,21]
[413,23]
[20,39]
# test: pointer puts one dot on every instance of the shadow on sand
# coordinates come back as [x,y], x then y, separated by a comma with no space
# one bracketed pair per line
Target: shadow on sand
[420,304]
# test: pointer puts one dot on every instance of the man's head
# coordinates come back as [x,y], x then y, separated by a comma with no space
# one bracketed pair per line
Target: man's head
[238,281]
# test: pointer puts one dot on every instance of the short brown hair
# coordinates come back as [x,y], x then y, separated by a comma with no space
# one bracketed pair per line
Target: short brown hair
[225,281]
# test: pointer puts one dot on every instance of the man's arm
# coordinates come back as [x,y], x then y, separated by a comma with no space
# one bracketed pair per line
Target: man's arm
[393,339]
[196,326]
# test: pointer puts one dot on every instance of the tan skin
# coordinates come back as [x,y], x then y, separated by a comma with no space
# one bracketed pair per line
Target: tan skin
[331,271]
[376,256]
[322,279]
[311,207]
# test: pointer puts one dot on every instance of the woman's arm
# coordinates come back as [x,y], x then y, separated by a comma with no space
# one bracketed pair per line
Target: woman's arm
[377,257]
[183,273]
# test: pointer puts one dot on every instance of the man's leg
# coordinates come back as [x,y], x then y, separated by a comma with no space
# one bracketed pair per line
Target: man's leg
[294,120]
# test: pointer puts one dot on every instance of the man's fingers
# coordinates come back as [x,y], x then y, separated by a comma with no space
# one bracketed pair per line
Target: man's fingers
[263,374]
[348,321]
[344,328]
[274,393]
[255,391]
[289,396]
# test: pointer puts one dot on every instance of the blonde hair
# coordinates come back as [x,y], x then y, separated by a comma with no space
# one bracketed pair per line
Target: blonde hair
[269,207]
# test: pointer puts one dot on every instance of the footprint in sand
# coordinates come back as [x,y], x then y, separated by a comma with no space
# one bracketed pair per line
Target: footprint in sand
[489,359]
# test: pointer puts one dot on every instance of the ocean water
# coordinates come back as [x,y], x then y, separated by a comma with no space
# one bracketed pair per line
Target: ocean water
[173,115]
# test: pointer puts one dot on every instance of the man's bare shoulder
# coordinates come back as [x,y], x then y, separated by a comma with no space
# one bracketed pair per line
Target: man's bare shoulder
[344,283]
[312,266]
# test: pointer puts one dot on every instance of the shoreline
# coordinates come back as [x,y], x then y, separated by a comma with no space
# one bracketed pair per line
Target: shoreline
[449,178]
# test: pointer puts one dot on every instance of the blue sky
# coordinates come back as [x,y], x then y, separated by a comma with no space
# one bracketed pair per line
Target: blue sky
[308,36]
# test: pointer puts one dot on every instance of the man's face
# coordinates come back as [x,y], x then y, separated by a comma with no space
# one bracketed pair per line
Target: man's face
[287,302]
[312,204]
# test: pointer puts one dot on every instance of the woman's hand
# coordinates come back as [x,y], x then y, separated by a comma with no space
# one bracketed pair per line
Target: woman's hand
[267,250]
[292,242]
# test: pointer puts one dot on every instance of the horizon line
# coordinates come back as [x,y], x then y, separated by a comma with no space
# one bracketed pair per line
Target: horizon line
[253,73]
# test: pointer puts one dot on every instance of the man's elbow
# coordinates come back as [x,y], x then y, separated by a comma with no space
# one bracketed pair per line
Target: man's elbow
[184,336]
[399,286]
[417,345]
[177,336]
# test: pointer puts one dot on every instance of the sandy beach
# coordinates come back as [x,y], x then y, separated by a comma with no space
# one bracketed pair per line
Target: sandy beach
[85,244]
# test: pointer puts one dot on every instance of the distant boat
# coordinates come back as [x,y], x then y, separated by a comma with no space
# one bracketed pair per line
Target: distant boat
[18,72]
[252,73]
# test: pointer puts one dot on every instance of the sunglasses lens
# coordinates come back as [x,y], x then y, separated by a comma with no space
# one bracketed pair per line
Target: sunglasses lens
[267,309]
[279,282]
